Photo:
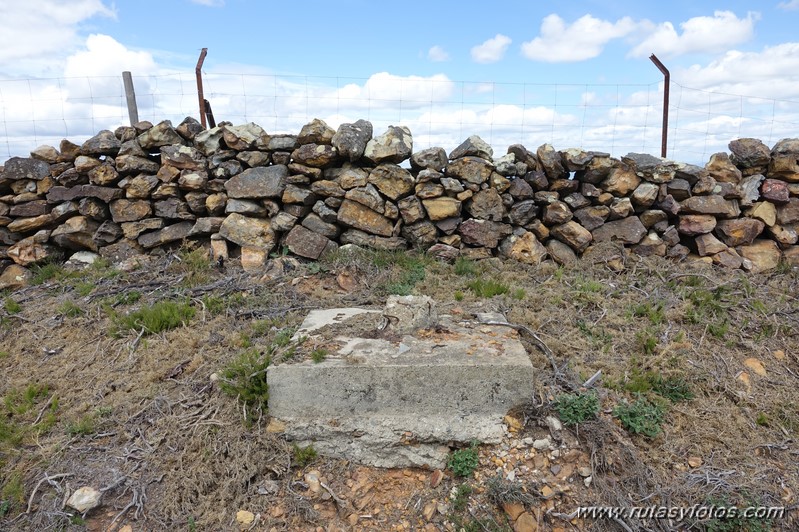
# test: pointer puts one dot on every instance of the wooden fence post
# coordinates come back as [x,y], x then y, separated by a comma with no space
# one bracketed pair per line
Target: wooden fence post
[130,96]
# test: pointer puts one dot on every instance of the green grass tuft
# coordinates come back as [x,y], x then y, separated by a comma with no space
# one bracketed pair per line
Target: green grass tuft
[487,288]
[464,266]
[161,316]
[70,309]
[318,355]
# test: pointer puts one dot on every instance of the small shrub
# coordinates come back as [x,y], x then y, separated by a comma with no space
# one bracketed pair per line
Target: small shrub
[641,417]
[245,379]
[489,288]
[70,309]
[463,462]
[318,355]
[576,408]
[303,456]
[459,295]
[762,419]
[519,294]
[502,491]
[161,316]
[11,306]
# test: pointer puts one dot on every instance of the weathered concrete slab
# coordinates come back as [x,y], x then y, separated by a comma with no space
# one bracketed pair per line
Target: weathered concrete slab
[400,401]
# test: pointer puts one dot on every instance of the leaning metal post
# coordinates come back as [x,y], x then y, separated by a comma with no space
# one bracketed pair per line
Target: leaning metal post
[198,72]
[666,82]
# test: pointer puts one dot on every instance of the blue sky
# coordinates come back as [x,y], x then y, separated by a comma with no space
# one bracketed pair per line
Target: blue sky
[575,74]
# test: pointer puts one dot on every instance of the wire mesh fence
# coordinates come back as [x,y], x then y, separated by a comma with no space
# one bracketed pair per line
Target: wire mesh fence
[614,118]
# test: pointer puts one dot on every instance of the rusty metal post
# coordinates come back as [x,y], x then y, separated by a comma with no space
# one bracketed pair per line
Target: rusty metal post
[666,83]
[198,72]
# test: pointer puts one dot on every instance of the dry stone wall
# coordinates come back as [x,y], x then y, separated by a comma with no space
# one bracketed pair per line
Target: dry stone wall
[130,191]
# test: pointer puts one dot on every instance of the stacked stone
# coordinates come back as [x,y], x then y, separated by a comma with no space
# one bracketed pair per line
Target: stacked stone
[127,192]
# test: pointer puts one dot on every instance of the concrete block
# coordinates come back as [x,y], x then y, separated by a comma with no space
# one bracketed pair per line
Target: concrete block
[401,403]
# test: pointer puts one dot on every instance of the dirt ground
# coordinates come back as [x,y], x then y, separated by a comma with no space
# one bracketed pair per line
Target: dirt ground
[145,419]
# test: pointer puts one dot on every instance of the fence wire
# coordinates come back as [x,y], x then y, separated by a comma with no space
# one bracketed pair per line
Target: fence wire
[614,118]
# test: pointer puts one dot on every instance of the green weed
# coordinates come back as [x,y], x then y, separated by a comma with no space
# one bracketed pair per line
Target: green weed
[463,462]
[641,417]
[518,294]
[575,408]
[459,295]
[675,389]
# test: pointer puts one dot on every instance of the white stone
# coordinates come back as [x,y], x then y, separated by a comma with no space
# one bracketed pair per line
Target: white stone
[84,499]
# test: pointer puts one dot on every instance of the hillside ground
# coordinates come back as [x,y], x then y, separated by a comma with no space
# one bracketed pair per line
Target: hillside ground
[148,385]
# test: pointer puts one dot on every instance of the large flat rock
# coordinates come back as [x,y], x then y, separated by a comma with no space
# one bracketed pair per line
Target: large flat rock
[401,401]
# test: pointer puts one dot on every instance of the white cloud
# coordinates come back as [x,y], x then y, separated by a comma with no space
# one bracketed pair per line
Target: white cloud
[789,6]
[209,3]
[437,54]
[583,39]
[699,34]
[491,50]
[37,33]
[770,73]
[104,56]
